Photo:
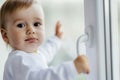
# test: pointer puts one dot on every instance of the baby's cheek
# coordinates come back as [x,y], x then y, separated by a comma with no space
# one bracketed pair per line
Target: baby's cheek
[41,37]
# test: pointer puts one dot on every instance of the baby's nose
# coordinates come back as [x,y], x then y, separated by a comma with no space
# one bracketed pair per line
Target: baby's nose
[31,30]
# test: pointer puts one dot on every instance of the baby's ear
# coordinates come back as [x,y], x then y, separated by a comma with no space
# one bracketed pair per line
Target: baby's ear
[4,35]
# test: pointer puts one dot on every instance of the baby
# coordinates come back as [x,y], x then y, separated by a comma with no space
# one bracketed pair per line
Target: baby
[22,27]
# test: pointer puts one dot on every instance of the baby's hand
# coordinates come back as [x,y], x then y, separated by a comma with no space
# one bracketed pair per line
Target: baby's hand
[58,30]
[82,64]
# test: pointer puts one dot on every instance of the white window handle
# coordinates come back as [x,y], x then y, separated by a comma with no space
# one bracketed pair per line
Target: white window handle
[88,38]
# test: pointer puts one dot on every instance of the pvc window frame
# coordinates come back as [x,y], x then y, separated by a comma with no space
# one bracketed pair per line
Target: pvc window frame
[104,52]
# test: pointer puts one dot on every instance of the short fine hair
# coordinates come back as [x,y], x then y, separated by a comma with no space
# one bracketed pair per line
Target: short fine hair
[10,6]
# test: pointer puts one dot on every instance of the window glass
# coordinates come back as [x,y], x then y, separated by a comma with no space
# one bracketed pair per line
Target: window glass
[71,15]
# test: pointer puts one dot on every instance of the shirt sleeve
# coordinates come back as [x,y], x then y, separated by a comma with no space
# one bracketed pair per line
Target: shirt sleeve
[50,47]
[63,72]
[25,70]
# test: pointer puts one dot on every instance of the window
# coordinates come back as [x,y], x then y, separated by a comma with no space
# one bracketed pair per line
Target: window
[104,54]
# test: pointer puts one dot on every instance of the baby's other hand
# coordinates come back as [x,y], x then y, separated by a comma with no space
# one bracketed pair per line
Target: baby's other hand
[82,64]
[58,30]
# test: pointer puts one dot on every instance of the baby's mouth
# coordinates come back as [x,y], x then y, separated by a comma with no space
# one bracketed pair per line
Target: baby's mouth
[31,40]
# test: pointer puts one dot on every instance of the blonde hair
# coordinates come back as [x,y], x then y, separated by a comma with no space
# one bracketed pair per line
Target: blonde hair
[10,6]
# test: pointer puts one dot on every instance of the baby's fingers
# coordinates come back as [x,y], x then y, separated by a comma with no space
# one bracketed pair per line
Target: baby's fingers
[58,26]
[59,32]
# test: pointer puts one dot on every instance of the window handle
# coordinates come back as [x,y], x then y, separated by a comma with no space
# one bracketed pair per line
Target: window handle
[87,38]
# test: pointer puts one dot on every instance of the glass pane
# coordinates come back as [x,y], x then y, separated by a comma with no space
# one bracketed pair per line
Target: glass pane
[71,15]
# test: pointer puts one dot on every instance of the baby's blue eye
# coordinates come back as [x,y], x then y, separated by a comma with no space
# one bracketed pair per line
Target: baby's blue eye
[37,24]
[21,25]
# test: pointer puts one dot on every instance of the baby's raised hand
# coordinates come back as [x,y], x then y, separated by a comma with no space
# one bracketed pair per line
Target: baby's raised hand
[58,30]
[82,64]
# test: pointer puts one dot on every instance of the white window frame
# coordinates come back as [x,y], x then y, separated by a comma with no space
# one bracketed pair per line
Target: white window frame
[103,53]
[115,43]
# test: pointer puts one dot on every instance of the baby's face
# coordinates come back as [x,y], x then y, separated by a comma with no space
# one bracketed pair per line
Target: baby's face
[25,29]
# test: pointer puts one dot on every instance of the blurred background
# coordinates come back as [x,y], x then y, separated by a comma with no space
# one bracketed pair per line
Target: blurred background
[71,15]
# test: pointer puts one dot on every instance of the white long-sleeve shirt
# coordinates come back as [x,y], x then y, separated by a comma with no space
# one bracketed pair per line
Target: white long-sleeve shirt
[33,66]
